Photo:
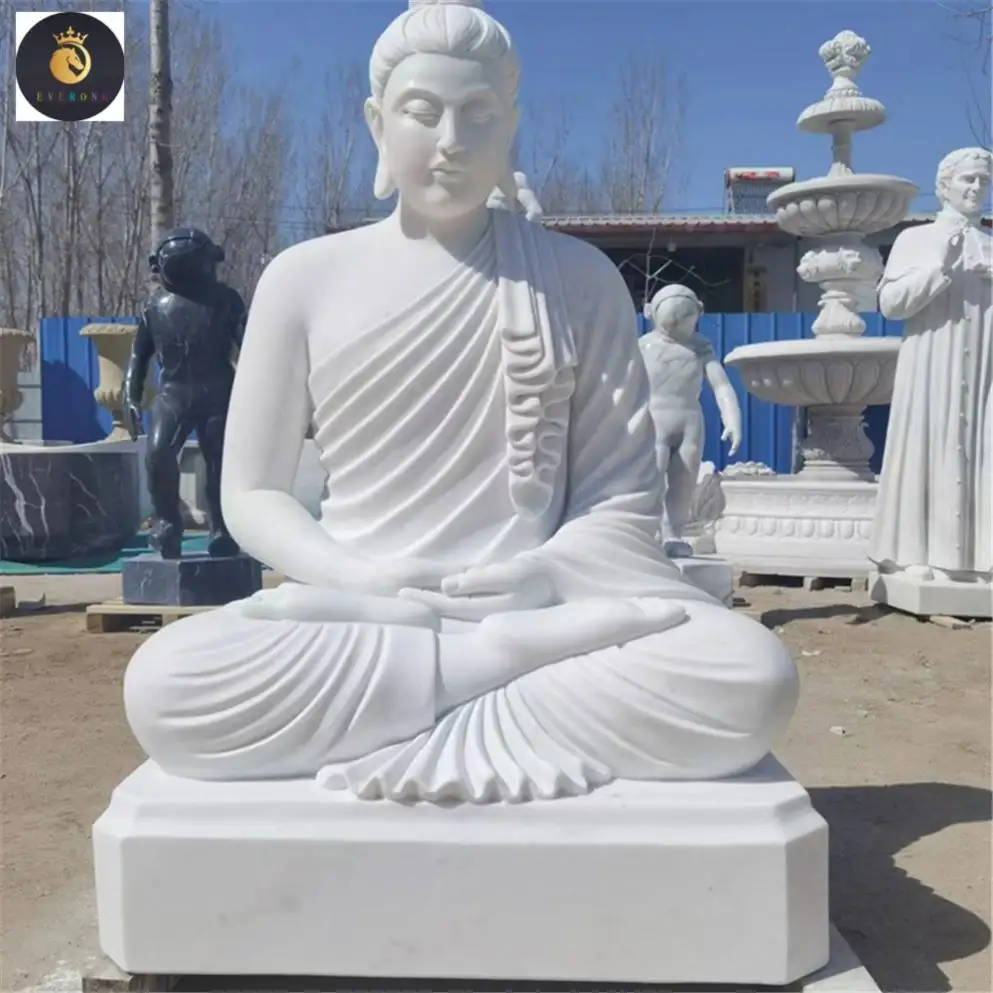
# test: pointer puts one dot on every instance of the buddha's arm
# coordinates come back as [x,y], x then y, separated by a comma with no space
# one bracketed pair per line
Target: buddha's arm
[266,425]
[606,543]
[914,275]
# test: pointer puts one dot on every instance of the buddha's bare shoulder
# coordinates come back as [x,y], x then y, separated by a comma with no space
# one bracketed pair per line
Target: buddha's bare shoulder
[329,253]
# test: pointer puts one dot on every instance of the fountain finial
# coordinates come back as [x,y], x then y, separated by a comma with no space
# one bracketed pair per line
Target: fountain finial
[844,109]
[845,54]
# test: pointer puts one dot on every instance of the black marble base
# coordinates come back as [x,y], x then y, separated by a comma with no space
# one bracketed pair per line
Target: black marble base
[57,504]
[193,581]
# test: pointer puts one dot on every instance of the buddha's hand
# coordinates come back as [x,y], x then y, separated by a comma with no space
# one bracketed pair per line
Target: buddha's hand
[387,577]
[316,604]
[520,583]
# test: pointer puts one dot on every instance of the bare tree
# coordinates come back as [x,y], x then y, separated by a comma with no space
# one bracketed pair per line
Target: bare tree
[337,171]
[542,151]
[972,22]
[643,138]
[160,121]
[77,219]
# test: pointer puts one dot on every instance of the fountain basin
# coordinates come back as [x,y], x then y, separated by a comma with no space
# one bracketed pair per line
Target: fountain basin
[61,502]
[796,526]
[861,204]
[813,372]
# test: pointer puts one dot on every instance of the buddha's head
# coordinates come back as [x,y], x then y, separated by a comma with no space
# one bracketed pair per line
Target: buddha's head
[443,109]
[964,180]
[675,310]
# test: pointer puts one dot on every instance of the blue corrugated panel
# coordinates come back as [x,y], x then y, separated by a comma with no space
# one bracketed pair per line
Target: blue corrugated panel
[70,412]
[767,429]
[69,375]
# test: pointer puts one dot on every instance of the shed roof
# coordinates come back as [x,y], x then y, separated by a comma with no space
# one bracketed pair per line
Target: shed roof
[671,223]
[684,223]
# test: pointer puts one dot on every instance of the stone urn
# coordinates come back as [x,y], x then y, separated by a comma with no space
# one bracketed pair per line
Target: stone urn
[12,345]
[113,347]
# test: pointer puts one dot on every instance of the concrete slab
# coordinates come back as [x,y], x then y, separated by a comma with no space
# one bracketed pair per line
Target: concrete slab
[843,974]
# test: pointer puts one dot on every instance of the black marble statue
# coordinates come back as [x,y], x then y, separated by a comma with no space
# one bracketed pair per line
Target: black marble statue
[191,325]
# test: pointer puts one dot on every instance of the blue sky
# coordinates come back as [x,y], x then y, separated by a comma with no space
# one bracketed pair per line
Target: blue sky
[751,67]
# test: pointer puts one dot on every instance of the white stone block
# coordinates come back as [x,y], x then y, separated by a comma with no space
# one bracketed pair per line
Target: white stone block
[721,882]
[710,573]
[935,596]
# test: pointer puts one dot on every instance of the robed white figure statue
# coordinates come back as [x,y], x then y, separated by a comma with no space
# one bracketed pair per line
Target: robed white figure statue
[934,514]
[482,612]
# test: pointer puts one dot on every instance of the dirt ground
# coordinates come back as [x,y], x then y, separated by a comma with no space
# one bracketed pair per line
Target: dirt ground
[892,738]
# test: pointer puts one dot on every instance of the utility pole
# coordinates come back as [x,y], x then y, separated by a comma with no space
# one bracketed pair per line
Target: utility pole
[160,123]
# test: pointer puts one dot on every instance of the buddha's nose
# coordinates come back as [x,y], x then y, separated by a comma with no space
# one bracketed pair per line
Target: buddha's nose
[449,141]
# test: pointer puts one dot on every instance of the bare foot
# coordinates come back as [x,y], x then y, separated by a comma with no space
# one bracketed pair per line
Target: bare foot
[507,646]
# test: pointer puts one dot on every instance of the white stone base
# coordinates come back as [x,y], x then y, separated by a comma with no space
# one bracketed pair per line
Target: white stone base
[797,526]
[843,974]
[722,882]
[932,597]
[710,573]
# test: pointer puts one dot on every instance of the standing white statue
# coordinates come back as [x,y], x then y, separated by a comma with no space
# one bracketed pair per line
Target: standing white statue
[678,358]
[482,611]
[933,530]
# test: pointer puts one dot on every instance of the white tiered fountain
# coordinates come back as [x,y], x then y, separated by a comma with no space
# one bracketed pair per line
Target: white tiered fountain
[817,522]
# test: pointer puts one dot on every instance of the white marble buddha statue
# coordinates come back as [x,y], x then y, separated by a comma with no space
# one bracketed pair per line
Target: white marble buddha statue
[482,612]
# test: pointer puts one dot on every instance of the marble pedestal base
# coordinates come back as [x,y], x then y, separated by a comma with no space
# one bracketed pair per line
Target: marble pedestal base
[721,882]
[198,580]
[710,573]
[797,526]
[932,597]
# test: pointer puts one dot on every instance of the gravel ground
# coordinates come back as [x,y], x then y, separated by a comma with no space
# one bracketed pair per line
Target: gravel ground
[892,737]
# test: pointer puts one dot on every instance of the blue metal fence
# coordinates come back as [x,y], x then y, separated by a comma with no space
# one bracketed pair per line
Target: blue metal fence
[767,429]
[70,375]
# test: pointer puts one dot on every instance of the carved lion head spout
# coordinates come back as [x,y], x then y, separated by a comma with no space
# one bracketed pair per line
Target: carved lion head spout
[443,110]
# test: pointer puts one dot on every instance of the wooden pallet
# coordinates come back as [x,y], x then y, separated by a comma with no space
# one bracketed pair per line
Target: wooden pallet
[116,615]
[748,579]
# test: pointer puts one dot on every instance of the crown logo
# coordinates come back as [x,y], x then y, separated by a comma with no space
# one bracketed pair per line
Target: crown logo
[70,37]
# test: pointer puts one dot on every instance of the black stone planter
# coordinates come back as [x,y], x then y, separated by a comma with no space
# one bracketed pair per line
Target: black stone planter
[60,504]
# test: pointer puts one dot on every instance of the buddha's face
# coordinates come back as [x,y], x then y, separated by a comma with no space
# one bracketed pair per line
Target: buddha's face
[677,317]
[968,187]
[445,130]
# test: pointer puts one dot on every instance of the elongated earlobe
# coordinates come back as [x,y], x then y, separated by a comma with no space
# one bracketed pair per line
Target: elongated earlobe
[383,186]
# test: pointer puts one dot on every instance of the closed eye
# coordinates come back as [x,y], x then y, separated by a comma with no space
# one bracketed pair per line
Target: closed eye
[480,113]
[423,112]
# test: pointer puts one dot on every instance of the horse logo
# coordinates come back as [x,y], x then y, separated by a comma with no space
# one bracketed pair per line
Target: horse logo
[70,62]
[69,66]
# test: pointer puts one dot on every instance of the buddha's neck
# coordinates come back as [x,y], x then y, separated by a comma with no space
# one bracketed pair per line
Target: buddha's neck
[455,236]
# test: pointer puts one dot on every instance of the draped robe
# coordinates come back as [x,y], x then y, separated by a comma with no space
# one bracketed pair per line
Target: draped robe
[934,506]
[493,416]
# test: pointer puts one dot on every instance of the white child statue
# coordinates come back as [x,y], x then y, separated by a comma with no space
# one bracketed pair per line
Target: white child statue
[482,611]
[678,358]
